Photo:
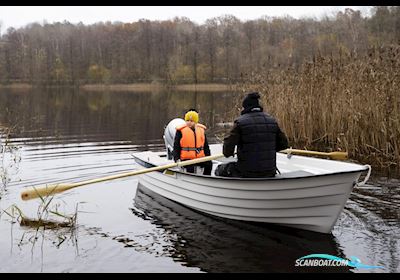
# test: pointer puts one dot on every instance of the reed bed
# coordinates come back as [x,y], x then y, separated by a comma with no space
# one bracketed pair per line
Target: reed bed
[346,102]
[48,219]
[9,158]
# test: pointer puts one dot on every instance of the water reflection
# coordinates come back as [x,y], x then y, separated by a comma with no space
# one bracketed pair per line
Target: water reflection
[220,245]
[135,116]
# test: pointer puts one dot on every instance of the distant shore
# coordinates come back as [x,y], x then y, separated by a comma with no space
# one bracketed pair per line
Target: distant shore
[135,87]
[17,86]
[155,86]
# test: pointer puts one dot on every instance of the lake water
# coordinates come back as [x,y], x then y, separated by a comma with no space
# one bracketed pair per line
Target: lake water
[65,135]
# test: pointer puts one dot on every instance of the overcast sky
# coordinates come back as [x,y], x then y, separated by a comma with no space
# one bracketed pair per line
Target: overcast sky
[18,16]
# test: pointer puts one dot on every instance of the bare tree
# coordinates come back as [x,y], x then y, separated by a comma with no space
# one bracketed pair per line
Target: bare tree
[179,50]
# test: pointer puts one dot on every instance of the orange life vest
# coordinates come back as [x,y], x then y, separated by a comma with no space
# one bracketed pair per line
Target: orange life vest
[192,147]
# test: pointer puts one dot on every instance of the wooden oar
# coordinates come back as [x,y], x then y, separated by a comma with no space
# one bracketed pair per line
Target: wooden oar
[332,155]
[35,192]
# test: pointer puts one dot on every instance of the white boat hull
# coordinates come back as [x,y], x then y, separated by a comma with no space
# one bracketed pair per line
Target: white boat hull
[309,202]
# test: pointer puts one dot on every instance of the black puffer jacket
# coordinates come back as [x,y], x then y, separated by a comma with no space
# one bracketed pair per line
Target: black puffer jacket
[258,138]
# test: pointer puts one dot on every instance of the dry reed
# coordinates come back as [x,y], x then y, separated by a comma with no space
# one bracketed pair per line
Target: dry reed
[346,102]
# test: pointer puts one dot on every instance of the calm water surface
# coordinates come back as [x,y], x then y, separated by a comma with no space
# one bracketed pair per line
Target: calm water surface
[64,135]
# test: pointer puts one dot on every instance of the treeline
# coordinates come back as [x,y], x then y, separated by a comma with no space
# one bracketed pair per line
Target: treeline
[180,51]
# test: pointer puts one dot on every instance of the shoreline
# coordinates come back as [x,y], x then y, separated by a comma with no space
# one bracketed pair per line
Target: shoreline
[156,86]
[132,87]
[17,86]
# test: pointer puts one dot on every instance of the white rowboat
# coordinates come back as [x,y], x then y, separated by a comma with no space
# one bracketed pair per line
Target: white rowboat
[310,193]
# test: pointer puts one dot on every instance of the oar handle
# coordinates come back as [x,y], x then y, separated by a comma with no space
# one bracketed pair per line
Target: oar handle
[305,152]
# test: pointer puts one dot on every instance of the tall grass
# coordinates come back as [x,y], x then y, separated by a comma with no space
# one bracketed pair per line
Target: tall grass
[9,158]
[346,102]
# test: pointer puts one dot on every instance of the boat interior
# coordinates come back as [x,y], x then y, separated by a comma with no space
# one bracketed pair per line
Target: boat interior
[289,166]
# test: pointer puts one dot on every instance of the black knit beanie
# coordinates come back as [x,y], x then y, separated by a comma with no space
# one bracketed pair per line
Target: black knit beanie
[251,100]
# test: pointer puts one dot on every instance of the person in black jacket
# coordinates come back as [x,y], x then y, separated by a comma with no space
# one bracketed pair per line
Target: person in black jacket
[257,137]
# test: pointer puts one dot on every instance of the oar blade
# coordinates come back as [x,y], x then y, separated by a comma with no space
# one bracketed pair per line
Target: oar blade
[35,192]
[339,155]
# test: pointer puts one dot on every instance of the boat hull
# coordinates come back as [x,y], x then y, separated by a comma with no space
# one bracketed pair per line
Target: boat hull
[310,203]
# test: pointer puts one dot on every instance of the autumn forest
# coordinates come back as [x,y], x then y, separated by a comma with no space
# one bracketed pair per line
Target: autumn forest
[221,50]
